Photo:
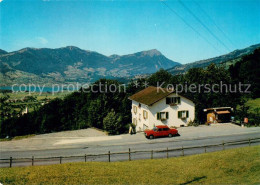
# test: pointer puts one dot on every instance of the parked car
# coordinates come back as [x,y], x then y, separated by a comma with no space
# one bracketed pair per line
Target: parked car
[160,131]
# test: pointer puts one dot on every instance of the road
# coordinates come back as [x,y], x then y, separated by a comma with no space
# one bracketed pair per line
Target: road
[78,147]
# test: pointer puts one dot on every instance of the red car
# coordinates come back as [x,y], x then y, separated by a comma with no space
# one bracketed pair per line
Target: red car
[160,131]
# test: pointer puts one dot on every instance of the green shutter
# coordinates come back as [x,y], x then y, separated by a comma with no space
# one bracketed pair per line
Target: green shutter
[158,115]
[167,115]
[179,114]
[187,114]
[167,100]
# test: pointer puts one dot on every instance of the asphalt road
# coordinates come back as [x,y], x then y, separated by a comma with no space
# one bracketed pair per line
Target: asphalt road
[144,145]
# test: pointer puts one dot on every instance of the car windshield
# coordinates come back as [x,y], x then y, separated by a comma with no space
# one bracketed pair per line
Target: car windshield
[154,129]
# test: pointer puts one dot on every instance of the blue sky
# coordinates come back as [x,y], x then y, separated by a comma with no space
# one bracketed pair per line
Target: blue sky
[124,27]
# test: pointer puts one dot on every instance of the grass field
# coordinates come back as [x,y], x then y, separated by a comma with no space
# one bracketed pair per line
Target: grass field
[32,104]
[253,104]
[39,96]
[234,166]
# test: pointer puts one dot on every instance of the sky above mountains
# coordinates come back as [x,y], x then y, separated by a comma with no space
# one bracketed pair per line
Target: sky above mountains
[184,31]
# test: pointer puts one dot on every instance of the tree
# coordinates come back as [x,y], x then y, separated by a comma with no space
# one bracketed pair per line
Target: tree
[5,107]
[162,77]
[112,122]
[247,71]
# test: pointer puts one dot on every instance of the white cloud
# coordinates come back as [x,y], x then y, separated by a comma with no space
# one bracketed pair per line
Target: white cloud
[42,40]
[1,1]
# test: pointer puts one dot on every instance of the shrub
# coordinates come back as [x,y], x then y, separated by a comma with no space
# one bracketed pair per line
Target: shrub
[193,123]
[112,122]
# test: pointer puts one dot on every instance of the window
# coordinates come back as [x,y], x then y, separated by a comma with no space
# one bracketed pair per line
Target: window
[162,115]
[155,129]
[173,100]
[165,129]
[139,105]
[145,114]
[183,114]
[135,109]
[134,121]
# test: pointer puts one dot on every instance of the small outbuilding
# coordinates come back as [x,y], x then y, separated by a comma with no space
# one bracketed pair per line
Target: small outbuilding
[218,114]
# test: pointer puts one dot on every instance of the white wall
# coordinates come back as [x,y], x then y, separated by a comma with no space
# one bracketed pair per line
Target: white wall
[139,114]
[161,106]
[173,120]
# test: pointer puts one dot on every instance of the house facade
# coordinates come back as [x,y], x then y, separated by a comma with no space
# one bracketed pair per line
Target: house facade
[156,106]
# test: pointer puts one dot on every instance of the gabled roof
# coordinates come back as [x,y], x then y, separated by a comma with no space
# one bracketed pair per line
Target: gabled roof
[217,108]
[150,95]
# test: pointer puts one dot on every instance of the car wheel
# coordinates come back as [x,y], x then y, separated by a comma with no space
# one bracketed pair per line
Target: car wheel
[151,137]
[170,135]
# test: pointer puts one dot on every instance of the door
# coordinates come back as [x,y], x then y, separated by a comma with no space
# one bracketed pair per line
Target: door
[166,131]
[158,132]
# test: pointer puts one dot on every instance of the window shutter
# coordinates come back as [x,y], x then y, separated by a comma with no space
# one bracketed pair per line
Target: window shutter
[167,100]
[179,100]
[158,115]
[135,109]
[167,115]
[179,114]
[187,114]
[145,114]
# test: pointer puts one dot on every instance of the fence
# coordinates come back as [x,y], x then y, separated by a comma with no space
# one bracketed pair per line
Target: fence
[128,155]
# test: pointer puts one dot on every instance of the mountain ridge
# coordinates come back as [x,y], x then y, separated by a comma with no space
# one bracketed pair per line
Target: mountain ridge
[231,56]
[72,64]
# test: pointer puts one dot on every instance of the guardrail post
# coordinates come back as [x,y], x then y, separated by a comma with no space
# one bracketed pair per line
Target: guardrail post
[129,155]
[223,144]
[32,160]
[182,149]
[85,158]
[152,154]
[167,154]
[108,156]
[60,159]
[11,161]
[249,142]
[205,149]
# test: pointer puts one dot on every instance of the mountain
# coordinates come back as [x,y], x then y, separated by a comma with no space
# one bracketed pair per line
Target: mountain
[231,57]
[3,52]
[72,64]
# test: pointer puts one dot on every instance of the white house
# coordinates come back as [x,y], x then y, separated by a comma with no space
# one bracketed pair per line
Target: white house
[157,106]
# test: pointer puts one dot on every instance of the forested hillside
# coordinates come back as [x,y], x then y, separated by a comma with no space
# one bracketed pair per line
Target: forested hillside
[223,59]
